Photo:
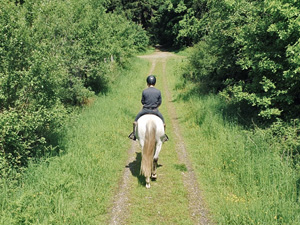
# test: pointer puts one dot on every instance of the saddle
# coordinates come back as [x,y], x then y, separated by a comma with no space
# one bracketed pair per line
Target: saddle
[133,137]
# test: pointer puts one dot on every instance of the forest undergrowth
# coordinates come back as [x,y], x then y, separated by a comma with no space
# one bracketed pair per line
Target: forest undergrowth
[248,173]
[76,186]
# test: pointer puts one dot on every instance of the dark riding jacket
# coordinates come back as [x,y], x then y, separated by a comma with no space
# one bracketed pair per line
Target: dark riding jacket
[151,100]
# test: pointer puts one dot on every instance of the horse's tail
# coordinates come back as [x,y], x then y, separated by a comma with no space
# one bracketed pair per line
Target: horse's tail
[148,150]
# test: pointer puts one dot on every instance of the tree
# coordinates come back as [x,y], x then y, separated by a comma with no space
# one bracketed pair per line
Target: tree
[254,47]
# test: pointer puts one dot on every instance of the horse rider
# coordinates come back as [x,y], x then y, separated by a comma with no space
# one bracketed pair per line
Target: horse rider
[151,100]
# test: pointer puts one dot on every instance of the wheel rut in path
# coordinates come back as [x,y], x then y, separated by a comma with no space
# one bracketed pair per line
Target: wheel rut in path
[196,204]
[197,209]
[121,205]
[121,199]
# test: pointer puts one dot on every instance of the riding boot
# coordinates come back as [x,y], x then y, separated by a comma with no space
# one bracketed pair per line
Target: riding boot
[132,135]
[166,138]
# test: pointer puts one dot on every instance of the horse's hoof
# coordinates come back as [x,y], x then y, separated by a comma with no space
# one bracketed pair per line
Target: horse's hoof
[147,185]
[154,176]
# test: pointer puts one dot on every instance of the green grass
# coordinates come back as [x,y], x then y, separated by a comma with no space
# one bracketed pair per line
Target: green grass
[166,201]
[147,51]
[243,178]
[77,186]
[245,181]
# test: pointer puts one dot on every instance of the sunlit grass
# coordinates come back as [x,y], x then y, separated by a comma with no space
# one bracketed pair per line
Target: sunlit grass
[166,201]
[245,180]
[77,186]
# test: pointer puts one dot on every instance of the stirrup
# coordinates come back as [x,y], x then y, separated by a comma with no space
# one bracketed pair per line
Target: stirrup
[166,138]
[132,136]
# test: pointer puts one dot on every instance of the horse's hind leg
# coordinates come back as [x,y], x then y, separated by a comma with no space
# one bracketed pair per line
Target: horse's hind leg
[153,174]
[157,149]
[147,182]
[155,159]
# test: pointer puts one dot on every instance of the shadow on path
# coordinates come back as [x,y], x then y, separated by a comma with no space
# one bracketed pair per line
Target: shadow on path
[135,167]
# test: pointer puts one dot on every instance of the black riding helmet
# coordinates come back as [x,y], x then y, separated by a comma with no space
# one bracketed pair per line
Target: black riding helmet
[151,80]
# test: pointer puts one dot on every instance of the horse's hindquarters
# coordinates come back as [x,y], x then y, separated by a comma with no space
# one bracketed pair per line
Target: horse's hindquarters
[150,131]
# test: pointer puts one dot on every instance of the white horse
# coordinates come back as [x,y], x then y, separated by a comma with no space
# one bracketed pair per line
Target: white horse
[150,133]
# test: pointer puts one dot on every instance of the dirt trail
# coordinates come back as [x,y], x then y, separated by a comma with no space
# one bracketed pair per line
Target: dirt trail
[120,203]
[196,205]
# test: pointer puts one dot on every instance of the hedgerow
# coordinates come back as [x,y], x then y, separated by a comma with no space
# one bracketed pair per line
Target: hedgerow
[54,55]
[249,54]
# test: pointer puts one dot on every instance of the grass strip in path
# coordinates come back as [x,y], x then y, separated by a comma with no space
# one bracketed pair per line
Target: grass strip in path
[197,206]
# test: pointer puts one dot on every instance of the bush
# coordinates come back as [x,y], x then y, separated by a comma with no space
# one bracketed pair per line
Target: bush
[251,53]
[54,55]
[26,133]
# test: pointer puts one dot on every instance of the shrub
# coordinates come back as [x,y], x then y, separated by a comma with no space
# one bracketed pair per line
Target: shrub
[53,55]
[250,52]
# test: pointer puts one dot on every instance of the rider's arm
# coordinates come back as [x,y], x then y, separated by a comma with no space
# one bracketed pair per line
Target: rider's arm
[159,100]
[143,99]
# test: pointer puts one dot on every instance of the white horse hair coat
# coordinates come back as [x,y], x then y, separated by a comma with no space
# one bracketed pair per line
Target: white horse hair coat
[150,133]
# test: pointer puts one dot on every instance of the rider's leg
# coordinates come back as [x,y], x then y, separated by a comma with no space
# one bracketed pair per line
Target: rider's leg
[165,138]
[158,113]
[132,135]
[134,126]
